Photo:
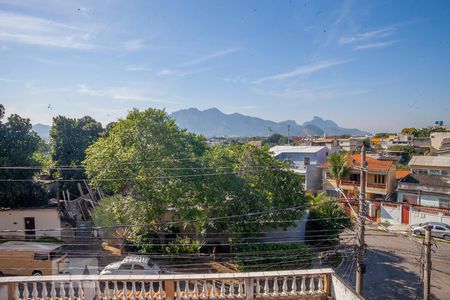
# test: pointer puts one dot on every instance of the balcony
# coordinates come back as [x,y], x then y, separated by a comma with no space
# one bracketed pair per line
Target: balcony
[304,284]
[377,185]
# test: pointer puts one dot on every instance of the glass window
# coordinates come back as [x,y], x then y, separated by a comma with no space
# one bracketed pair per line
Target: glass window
[138,267]
[125,267]
[306,161]
[40,256]
[439,228]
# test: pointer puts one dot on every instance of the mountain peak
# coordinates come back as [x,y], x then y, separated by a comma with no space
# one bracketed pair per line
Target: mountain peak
[213,122]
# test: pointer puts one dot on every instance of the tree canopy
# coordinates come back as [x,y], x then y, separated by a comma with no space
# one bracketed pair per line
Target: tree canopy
[69,141]
[18,145]
[174,180]
[339,166]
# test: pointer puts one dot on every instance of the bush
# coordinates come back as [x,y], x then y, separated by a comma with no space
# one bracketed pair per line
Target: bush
[183,245]
[254,257]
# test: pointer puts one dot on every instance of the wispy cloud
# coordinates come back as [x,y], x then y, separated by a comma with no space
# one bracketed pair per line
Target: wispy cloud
[360,37]
[376,45]
[209,57]
[133,45]
[122,93]
[30,30]
[306,69]
[182,69]
[137,68]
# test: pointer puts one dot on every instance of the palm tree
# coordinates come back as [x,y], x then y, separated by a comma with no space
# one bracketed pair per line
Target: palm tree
[339,166]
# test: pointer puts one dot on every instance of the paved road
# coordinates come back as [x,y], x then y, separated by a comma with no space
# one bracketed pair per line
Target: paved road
[393,270]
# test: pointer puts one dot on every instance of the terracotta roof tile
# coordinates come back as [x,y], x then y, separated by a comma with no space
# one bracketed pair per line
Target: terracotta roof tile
[372,163]
[401,174]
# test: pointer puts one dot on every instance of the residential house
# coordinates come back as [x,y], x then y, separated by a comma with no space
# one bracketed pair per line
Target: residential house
[305,161]
[380,183]
[425,190]
[353,144]
[330,143]
[440,143]
[32,223]
[431,165]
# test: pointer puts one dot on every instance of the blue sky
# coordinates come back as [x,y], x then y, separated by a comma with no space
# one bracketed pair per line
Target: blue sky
[375,65]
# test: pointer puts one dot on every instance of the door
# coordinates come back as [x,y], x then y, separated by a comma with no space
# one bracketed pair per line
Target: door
[405,214]
[30,233]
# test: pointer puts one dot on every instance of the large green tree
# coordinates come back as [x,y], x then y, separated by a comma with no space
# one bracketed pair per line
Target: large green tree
[176,182]
[18,143]
[69,140]
[148,157]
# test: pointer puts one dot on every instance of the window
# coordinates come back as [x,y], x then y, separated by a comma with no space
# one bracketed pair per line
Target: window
[306,161]
[380,179]
[40,256]
[125,267]
[435,172]
[444,203]
[439,228]
[138,267]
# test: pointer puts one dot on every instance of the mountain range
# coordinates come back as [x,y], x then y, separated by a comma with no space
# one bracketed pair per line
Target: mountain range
[213,122]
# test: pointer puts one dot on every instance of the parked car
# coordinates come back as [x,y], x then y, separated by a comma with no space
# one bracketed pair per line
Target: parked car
[132,265]
[32,258]
[439,230]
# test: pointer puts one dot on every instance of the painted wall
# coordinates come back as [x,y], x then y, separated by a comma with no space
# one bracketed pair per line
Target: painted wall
[416,217]
[392,215]
[425,199]
[319,157]
[44,218]
[293,234]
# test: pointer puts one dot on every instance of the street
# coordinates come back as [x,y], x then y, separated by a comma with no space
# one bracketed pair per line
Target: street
[393,268]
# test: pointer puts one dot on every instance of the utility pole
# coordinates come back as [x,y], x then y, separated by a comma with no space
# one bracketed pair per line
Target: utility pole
[427,273]
[289,128]
[360,266]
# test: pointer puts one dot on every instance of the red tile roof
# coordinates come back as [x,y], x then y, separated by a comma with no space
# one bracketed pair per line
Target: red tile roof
[402,174]
[373,164]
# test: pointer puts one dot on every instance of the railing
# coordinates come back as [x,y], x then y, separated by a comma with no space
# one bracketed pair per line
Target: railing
[349,182]
[256,285]
[377,185]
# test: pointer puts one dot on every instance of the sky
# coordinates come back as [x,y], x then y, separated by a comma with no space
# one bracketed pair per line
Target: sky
[373,65]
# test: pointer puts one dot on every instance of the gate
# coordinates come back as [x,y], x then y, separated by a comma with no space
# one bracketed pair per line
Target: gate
[405,214]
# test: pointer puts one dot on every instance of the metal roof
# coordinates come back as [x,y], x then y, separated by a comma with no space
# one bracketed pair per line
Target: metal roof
[29,246]
[296,149]
[432,161]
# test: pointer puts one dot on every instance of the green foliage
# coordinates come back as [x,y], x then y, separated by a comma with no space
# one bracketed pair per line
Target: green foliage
[170,176]
[69,141]
[382,134]
[328,219]
[275,139]
[183,245]
[422,132]
[339,165]
[48,239]
[408,152]
[256,257]
[18,145]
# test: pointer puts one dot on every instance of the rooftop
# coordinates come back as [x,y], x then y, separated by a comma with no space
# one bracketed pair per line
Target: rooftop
[28,246]
[296,149]
[431,161]
[401,174]
[372,163]
[428,180]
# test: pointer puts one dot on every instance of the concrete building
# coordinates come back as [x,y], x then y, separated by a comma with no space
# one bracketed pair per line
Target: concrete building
[353,144]
[305,161]
[431,165]
[330,143]
[440,143]
[425,190]
[380,183]
[32,223]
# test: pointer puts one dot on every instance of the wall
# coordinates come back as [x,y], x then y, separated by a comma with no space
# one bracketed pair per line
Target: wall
[293,234]
[416,217]
[436,139]
[391,213]
[313,178]
[341,290]
[45,218]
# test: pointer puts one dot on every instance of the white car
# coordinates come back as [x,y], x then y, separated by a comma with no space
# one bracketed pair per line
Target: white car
[132,265]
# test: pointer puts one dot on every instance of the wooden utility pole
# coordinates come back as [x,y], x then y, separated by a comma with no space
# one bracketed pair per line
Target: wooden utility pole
[360,266]
[427,271]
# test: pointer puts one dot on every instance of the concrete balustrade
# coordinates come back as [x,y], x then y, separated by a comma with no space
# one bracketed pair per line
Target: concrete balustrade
[298,284]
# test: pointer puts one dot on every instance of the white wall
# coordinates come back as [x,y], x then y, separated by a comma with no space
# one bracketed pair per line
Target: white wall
[393,215]
[44,218]
[416,217]
[291,234]
[342,291]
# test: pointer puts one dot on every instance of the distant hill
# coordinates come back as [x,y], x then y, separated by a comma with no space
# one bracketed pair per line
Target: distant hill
[331,128]
[42,130]
[213,122]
